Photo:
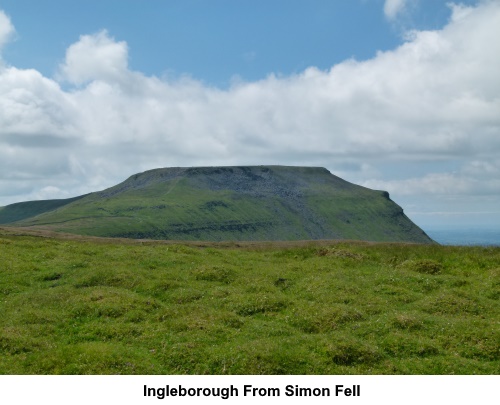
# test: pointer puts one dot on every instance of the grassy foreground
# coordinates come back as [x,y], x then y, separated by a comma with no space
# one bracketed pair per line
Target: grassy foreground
[117,307]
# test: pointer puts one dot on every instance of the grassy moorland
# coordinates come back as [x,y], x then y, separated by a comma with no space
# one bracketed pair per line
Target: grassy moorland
[98,306]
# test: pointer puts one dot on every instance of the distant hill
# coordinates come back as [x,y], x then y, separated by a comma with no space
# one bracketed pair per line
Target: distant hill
[226,203]
[19,211]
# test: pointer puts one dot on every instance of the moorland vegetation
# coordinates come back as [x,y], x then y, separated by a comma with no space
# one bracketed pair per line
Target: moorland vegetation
[74,305]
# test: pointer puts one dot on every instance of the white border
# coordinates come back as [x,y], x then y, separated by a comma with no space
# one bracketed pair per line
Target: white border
[124,390]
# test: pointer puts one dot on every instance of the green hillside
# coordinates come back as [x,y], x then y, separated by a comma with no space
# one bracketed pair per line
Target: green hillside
[233,203]
[19,211]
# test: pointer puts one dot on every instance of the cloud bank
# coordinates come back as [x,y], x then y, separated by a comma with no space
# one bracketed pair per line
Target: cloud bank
[431,103]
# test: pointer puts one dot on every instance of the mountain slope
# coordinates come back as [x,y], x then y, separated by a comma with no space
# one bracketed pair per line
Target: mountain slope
[19,211]
[234,203]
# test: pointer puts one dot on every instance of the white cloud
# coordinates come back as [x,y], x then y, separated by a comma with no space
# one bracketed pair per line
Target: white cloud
[394,7]
[433,99]
[6,29]
[33,106]
[95,57]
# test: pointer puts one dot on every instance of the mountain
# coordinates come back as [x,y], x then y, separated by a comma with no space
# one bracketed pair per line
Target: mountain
[226,203]
[23,210]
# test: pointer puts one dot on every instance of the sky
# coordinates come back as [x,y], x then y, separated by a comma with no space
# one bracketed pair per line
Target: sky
[396,95]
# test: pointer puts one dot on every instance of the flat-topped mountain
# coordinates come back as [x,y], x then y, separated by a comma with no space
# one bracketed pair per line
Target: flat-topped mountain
[226,203]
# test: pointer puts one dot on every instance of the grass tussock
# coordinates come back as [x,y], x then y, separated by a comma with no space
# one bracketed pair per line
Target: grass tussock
[110,307]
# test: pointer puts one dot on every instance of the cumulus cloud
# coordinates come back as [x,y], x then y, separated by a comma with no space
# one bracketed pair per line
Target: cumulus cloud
[95,57]
[432,99]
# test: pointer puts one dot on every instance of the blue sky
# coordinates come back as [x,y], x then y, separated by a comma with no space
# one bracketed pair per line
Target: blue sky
[216,40]
[401,95]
